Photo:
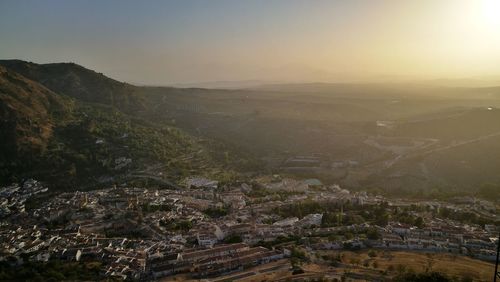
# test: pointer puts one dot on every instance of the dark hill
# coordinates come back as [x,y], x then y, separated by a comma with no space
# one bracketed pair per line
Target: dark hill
[91,138]
[80,83]
[27,113]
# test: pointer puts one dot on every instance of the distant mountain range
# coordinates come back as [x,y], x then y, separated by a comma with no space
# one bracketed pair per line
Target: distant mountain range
[423,89]
[241,84]
[478,82]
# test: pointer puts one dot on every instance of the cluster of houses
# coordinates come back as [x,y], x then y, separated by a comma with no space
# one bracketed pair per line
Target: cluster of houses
[442,237]
[123,258]
[13,197]
[438,236]
[74,227]
[209,262]
[202,230]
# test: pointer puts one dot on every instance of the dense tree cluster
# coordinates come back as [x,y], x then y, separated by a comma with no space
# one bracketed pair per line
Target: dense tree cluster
[52,271]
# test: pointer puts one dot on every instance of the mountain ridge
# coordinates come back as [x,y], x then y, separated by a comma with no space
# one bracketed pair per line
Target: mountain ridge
[78,82]
[67,139]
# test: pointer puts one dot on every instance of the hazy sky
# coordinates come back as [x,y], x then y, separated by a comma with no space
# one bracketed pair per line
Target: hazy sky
[164,42]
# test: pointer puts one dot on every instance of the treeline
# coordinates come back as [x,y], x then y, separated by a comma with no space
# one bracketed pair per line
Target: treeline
[54,270]
[348,214]
[485,191]
[464,216]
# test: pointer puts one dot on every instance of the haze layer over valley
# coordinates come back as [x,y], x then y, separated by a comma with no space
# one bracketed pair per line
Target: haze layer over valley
[399,138]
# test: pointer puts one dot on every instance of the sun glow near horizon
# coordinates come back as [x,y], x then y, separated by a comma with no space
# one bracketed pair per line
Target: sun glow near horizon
[489,13]
[466,37]
[425,39]
[479,19]
[220,40]
[476,26]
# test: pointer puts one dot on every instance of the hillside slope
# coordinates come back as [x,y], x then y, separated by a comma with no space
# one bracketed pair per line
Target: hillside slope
[27,111]
[80,83]
[73,144]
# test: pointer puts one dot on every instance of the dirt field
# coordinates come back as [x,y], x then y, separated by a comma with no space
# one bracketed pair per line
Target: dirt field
[453,265]
[361,267]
